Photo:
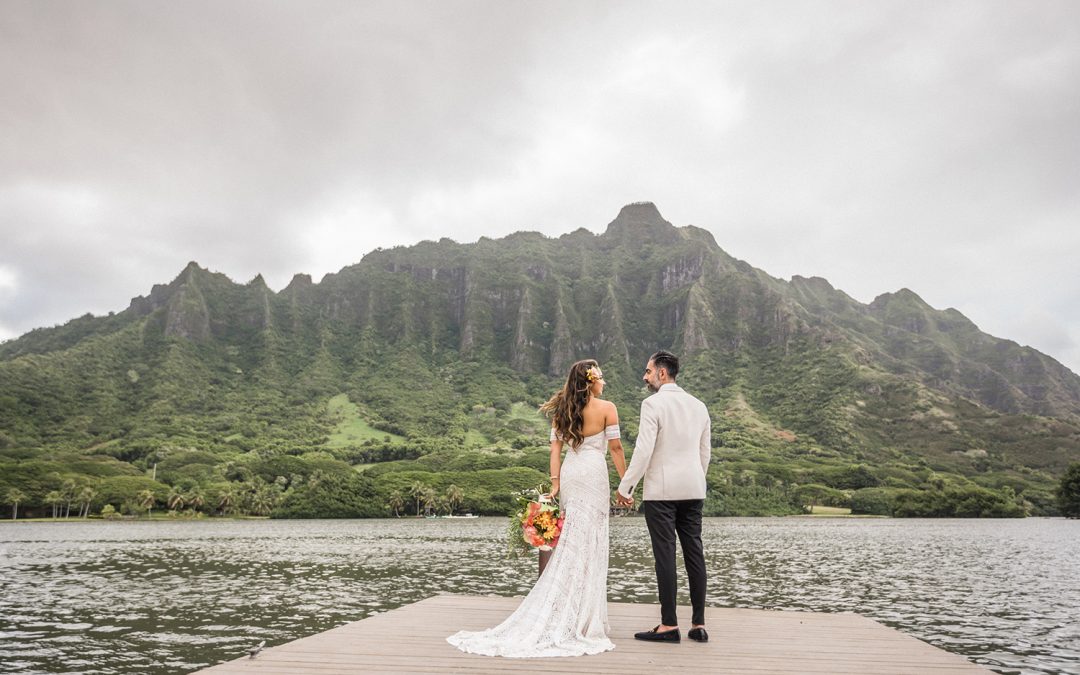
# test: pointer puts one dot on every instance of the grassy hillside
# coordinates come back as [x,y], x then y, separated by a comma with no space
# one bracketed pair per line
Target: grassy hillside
[425,365]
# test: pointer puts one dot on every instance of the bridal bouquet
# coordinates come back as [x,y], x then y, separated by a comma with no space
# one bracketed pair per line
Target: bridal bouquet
[536,523]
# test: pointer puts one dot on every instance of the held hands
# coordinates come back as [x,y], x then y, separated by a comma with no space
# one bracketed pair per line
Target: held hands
[625,502]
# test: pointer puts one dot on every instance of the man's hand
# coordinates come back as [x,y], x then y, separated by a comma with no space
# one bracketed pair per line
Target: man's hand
[625,502]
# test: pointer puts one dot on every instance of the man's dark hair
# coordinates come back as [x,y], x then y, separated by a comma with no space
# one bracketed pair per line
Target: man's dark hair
[667,361]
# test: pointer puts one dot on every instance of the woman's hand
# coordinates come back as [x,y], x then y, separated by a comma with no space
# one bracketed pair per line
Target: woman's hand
[555,465]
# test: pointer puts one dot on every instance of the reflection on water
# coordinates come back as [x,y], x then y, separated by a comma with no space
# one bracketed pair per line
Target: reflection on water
[101,597]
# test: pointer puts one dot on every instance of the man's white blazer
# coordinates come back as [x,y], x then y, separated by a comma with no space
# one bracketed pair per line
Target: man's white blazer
[672,450]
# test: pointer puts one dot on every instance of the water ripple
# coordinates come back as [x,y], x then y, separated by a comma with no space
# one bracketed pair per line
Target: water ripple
[173,597]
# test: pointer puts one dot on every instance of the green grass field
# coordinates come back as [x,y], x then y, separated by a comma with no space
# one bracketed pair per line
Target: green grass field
[352,428]
[475,438]
[526,412]
[99,446]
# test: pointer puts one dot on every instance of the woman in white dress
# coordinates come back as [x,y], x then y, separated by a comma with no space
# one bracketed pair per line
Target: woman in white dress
[565,614]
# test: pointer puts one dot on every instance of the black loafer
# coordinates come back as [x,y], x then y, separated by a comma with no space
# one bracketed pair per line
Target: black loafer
[653,636]
[698,635]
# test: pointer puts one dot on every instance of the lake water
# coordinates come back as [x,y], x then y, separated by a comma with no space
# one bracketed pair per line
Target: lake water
[118,597]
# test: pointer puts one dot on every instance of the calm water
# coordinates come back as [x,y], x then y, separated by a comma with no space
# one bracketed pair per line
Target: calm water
[101,597]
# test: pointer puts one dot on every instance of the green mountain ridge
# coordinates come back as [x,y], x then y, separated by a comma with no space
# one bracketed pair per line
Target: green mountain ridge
[802,380]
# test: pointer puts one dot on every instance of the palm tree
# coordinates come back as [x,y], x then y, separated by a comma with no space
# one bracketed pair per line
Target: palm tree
[244,493]
[175,500]
[54,499]
[147,501]
[262,501]
[429,498]
[15,495]
[396,502]
[68,493]
[442,505]
[416,491]
[454,497]
[226,500]
[195,498]
[86,496]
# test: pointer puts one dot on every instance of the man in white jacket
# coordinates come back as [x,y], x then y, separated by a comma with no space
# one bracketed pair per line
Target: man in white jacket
[672,452]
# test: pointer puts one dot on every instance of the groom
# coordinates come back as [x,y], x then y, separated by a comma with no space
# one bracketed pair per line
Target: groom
[672,452]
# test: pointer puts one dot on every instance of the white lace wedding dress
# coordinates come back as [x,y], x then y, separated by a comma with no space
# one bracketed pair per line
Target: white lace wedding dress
[565,614]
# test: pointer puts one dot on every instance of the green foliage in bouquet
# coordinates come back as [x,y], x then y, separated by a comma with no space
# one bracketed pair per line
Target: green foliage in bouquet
[535,523]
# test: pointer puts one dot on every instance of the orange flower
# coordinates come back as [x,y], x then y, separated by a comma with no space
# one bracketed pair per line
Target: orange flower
[540,521]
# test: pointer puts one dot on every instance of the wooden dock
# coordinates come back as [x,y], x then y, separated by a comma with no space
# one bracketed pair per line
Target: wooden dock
[412,639]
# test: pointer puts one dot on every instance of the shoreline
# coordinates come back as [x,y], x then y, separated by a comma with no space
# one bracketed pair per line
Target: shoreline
[141,519]
[166,519]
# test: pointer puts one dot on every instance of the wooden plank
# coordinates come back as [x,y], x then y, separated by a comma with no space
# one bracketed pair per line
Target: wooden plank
[412,639]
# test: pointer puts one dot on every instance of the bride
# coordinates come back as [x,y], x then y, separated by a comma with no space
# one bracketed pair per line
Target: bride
[565,614]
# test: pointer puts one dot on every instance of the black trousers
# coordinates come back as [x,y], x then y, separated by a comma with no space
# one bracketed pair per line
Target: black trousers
[666,519]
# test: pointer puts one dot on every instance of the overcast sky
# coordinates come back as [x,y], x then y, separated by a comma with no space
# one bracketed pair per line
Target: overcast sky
[928,145]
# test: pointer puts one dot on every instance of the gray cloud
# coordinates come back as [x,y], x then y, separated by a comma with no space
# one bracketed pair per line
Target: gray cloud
[934,146]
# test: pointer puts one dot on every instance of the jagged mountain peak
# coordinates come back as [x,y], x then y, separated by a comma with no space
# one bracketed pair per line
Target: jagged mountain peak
[904,295]
[300,279]
[645,211]
[839,372]
[526,298]
[192,270]
[815,281]
[641,220]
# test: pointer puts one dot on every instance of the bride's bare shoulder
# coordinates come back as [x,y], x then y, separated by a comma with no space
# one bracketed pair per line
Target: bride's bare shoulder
[605,406]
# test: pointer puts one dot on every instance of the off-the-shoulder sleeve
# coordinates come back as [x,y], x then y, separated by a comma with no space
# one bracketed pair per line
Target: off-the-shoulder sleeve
[611,432]
[553,437]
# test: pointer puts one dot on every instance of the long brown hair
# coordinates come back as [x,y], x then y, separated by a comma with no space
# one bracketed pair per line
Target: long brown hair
[566,406]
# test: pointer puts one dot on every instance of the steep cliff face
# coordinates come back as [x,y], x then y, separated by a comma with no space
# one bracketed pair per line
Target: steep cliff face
[527,354]
[562,352]
[535,304]
[611,337]
[186,313]
[538,304]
